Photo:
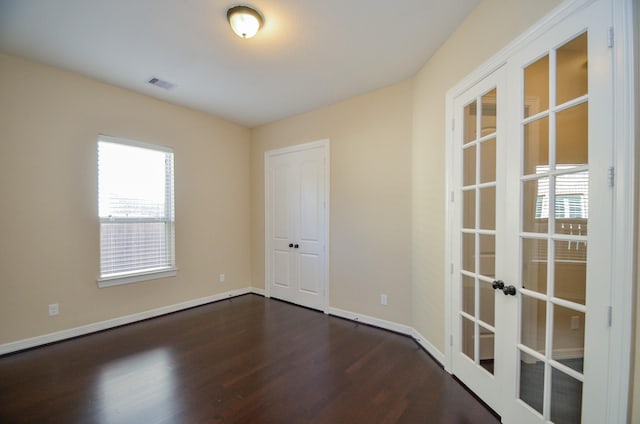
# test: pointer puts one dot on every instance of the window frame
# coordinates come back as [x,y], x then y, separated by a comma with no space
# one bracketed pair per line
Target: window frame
[168,219]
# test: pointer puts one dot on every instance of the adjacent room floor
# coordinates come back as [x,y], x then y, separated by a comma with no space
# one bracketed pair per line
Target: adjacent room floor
[242,360]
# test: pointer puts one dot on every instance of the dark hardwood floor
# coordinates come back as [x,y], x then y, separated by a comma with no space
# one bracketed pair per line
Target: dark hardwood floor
[243,360]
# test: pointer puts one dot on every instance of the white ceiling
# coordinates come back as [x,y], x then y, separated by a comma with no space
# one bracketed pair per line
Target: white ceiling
[308,54]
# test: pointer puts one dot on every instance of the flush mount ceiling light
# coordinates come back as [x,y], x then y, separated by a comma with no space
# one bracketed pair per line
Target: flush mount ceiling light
[244,21]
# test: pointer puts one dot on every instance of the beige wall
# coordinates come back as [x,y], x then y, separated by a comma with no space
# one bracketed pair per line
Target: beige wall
[370,197]
[49,122]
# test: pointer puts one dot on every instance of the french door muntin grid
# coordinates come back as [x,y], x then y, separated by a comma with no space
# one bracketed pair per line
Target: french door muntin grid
[551,236]
[478,145]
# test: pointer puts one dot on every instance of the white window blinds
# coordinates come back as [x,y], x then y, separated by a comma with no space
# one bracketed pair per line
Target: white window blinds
[136,209]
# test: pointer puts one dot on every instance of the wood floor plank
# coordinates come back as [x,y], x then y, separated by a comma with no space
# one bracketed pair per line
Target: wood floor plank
[243,360]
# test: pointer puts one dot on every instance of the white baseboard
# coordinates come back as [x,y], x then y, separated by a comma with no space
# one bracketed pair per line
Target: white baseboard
[116,322]
[260,292]
[430,348]
[389,325]
[128,319]
[393,326]
[376,322]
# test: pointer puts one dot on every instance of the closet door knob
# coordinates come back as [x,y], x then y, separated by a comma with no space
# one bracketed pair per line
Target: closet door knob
[295,246]
[290,244]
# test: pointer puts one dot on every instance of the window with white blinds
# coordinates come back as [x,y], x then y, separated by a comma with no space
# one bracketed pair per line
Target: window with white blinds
[136,211]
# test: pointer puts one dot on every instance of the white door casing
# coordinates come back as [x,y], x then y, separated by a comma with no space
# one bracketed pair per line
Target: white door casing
[296,224]
[609,240]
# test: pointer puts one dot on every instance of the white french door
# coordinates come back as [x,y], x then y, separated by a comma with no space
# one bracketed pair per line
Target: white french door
[531,227]
[479,236]
[560,260]
[297,224]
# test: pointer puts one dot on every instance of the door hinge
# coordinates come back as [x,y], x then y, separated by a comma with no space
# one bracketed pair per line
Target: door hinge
[610,316]
[451,268]
[610,37]
[450,339]
[451,196]
[612,176]
[453,124]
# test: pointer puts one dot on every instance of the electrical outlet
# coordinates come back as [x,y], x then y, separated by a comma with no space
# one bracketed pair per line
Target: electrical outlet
[221,278]
[575,322]
[383,299]
[53,309]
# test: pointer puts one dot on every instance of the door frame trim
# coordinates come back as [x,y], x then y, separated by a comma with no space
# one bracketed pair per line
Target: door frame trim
[624,191]
[325,145]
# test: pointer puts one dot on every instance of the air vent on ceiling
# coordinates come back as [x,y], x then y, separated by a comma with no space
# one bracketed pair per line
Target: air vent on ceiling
[161,83]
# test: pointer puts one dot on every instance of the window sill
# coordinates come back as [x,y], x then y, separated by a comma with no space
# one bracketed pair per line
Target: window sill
[136,278]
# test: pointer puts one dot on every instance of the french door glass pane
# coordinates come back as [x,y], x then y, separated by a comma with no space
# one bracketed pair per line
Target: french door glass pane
[536,87]
[536,146]
[469,171]
[568,337]
[534,265]
[469,294]
[487,303]
[571,137]
[487,349]
[571,206]
[488,208]
[488,122]
[469,209]
[531,388]
[534,321]
[469,252]
[470,122]
[488,161]
[566,398]
[468,337]
[487,255]
[535,211]
[570,270]
[571,62]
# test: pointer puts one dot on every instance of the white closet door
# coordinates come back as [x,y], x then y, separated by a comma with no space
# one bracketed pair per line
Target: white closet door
[282,227]
[309,256]
[297,224]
